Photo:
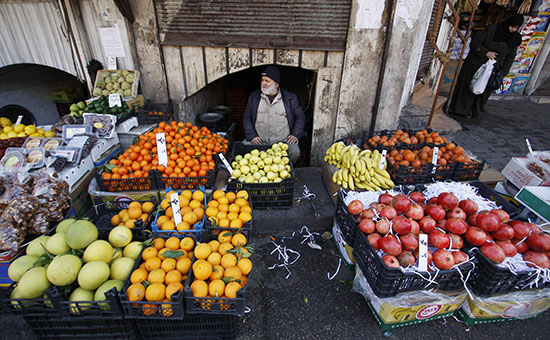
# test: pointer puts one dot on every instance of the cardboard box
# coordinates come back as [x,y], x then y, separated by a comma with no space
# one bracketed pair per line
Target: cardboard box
[537,199]
[107,73]
[332,188]
[517,172]
[98,196]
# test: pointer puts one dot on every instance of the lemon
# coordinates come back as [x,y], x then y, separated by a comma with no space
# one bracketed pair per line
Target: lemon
[12,134]
[41,131]
[19,128]
[5,122]
[8,129]
[22,134]
[35,135]
[49,134]
[30,129]
[3,135]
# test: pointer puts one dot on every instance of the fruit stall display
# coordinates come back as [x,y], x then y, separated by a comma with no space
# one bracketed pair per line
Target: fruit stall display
[229,210]
[191,210]
[122,82]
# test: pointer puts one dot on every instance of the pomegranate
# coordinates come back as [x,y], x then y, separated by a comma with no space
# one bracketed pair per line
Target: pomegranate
[536,259]
[388,212]
[438,239]
[488,222]
[367,226]
[504,233]
[493,252]
[429,253]
[432,200]
[470,207]
[521,246]
[383,226]
[406,259]
[427,224]
[415,227]
[401,225]
[447,200]
[385,198]
[459,256]
[415,212]
[401,203]
[456,213]
[379,207]
[443,259]
[472,220]
[390,245]
[442,224]
[533,227]
[510,250]
[373,240]
[520,229]
[409,241]
[390,261]
[476,236]
[456,241]
[355,207]
[417,196]
[456,226]
[368,213]
[435,211]
[539,242]
[503,216]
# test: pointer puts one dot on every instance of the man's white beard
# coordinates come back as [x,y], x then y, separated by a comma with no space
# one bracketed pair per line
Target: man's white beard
[269,91]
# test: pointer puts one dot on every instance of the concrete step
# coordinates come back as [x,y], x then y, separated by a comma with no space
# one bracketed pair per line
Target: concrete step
[426,102]
[419,91]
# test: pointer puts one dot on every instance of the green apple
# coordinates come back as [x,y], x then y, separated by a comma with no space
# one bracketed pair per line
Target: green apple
[255,152]
[262,172]
[243,161]
[263,154]
[287,167]
[263,179]
[242,178]
[245,169]
[284,174]
[284,153]
[249,179]
[285,160]
[254,168]
[261,164]
[257,175]
[238,158]
[247,156]
[237,173]
[254,159]
[271,175]
[277,159]
[284,147]
[268,160]
[235,165]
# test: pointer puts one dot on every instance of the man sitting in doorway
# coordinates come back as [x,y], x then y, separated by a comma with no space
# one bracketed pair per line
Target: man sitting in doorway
[274,115]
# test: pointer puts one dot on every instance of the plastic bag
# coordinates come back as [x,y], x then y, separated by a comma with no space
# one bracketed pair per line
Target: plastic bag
[481,77]
[520,304]
[13,221]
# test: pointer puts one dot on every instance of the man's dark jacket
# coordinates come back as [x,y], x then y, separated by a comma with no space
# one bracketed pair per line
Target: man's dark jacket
[294,114]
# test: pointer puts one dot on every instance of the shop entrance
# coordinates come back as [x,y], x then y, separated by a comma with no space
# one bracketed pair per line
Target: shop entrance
[228,95]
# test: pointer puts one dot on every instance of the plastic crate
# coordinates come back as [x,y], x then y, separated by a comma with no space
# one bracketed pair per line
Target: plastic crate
[150,310]
[468,172]
[155,113]
[167,233]
[346,221]
[246,227]
[367,135]
[127,184]
[180,183]
[101,214]
[213,305]
[83,328]
[386,282]
[405,175]
[28,307]
[485,191]
[107,309]
[441,172]
[193,326]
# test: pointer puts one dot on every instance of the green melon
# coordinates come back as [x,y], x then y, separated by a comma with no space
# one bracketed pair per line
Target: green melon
[20,266]
[63,270]
[80,234]
[34,283]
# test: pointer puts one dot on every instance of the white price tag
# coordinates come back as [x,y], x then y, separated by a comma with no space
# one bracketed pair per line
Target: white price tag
[382,164]
[175,204]
[226,163]
[435,156]
[18,121]
[423,252]
[161,149]
[114,100]
[70,132]
[111,63]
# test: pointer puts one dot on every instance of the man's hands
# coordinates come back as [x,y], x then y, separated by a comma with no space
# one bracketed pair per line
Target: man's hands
[491,55]
[291,139]
[256,140]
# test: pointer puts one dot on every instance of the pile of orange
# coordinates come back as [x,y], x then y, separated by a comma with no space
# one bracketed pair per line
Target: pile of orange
[402,137]
[190,152]
[221,267]
[136,211]
[191,210]
[418,158]
[161,274]
[229,209]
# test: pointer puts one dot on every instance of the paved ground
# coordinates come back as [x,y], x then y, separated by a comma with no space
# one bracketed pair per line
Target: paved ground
[307,305]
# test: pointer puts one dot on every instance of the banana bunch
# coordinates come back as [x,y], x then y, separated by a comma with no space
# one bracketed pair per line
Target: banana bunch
[403,314]
[358,168]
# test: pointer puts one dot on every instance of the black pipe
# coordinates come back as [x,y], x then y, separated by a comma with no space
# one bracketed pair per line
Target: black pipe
[391,4]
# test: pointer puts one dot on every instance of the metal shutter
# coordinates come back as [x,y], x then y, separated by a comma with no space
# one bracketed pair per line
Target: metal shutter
[306,24]
[427,50]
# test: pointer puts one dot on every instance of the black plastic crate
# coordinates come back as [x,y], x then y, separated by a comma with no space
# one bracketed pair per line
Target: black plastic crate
[239,148]
[468,172]
[387,282]
[150,310]
[367,144]
[193,326]
[48,305]
[405,175]
[155,113]
[485,191]
[180,183]
[441,172]
[127,184]
[348,224]
[101,214]
[211,227]
[107,309]
[45,327]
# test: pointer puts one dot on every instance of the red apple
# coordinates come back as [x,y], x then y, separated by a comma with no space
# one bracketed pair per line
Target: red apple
[539,242]
[390,261]
[520,229]
[385,198]
[388,212]
[470,207]
[521,246]
[435,211]
[459,256]
[504,233]
[456,241]
[383,226]
[409,241]
[443,259]
[493,252]
[415,227]
[401,203]
[390,245]
[536,259]
[367,226]
[373,240]
[456,226]
[427,224]
[447,200]
[415,212]
[429,253]
[406,259]
[355,207]
[438,239]
[510,250]
[488,222]
[401,225]
[476,236]
[368,213]
[417,196]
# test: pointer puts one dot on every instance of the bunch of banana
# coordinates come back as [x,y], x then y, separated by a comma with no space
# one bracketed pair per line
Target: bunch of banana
[358,168]
[403,314]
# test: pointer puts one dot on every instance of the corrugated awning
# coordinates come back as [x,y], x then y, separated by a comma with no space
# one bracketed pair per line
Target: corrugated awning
[307,24]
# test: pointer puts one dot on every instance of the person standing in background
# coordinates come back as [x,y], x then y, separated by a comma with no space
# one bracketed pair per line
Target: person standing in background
[274,115]
[497,41]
